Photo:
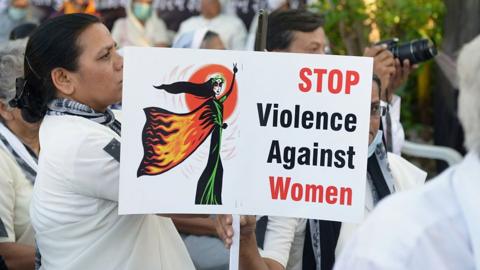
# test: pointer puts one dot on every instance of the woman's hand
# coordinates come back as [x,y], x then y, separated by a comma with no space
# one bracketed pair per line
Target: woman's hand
[223,224]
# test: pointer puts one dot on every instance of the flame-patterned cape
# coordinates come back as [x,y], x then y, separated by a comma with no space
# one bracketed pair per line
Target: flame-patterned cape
[169,138]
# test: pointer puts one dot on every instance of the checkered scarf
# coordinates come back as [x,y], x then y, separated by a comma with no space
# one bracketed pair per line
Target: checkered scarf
[62,106]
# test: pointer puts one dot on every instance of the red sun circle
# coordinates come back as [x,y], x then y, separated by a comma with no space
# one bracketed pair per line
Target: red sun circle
[201,76]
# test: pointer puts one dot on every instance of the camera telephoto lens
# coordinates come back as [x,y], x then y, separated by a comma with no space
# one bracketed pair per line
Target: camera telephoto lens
[415,51]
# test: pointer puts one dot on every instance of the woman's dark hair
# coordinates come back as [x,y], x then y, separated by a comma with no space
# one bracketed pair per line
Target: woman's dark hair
[53,44]
[282,24]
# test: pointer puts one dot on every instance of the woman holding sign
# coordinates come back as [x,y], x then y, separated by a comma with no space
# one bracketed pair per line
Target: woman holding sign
[72,75]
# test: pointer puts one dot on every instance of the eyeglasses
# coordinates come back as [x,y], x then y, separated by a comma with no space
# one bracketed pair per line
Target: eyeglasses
[377,110]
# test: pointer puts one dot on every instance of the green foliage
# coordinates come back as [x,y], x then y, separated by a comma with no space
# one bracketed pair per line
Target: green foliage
[410,19]
[351,25]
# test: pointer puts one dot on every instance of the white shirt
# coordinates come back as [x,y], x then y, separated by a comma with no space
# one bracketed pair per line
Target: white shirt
[231,29]
[284,240]
[74,208]
[15,194]
[437,227]
[285,237]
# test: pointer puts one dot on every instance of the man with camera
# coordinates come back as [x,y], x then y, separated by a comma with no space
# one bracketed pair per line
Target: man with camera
[406,55]
[294,243]
[436,227]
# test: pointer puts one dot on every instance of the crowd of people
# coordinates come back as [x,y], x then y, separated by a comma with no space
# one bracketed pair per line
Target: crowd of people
[61,78]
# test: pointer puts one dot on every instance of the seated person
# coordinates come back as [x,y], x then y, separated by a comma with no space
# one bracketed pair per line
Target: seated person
[16,13]
[285,238]
[230,28]
[141,27]
[19,148]
[199,39]
[437,226]
[69,94]
[294,243]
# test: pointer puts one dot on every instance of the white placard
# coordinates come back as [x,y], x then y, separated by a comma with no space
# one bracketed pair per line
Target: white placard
[289,140]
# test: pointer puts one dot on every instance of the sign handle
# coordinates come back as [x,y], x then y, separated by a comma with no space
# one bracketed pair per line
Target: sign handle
[235,248]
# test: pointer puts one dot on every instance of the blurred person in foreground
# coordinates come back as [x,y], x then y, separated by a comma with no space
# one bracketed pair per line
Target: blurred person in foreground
[297,243]
[230,28]
[438,226]
[19,148]
[141,27]
[72,75]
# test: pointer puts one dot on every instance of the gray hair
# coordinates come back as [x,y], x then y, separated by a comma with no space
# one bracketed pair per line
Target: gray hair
[11,67]
[468,68]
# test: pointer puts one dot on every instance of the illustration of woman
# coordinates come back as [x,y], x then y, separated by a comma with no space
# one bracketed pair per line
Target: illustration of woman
[169,138]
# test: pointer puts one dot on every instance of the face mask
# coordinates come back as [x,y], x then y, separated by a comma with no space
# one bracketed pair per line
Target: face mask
[376,141]
[17,13]
[142,11]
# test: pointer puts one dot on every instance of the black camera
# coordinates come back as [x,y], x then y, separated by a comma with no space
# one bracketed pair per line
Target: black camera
[416,51]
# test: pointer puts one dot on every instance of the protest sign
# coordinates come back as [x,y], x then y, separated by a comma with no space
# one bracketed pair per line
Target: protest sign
[209,131]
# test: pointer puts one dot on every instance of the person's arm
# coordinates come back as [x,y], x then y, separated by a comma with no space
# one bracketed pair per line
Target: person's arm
[383,64]
[230,90]
[249,257]
[196,226]
[17,256]
[402,71]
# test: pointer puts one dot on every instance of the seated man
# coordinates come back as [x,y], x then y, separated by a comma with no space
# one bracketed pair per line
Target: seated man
[294,243]
[436,227]
[297,243]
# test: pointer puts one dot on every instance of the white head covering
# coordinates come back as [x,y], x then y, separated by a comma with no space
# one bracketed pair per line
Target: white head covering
[192,40]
